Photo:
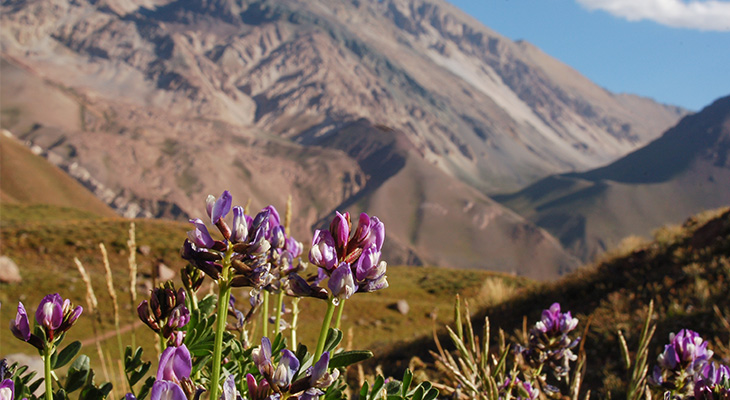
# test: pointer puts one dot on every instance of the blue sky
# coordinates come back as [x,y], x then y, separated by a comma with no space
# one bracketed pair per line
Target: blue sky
[674,51]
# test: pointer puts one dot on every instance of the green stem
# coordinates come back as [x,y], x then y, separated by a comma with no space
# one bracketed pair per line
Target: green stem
[325,329]
[294,320]
[224,295]
[162,342]
[279,307]
[265,315]
[47,369]
[340,308]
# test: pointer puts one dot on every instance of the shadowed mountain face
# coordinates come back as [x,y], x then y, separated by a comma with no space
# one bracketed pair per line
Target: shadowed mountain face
[153,104]
[685,171]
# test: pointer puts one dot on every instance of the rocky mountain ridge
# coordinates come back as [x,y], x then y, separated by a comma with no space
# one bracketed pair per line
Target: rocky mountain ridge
[165,101]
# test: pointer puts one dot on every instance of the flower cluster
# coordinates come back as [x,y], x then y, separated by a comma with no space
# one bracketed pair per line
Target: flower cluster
[515,388]
[261,254]
[279,380]
[350,259]
[684,369]
[550,342]
[713,383]
[54,316]
[168,315]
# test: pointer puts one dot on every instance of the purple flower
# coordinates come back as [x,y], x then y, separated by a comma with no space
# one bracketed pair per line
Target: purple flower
[165,390]
[278,237]
[175,364]
[712,383]
[555,321]
[340,230]
[298,287]
[21,327]
[129,396]
[50,312]
[229,389]
[257,391]
[285,371]
[341,282]
[220,208]
[686,350]
[200,236]
[370,271]
[517,389]
[240,225]
[261,357]
[7,390]
[319,377]
[323,253]
[273,216]
[70,315]
[374,234]
[179,317]
[294,247]
[550,343]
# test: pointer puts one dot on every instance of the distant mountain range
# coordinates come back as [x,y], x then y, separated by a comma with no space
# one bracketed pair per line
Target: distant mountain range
[409,110]
[685,171]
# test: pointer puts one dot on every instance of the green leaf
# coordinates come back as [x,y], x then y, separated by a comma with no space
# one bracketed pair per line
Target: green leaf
[349,357]
[136,375]
[60,395]
[418,394]
[334,337]
[393,388]
[431,394]
[377,385]
[78,372]
[207,305]
[145,389]
[66,355]
[407,378]
[364,391]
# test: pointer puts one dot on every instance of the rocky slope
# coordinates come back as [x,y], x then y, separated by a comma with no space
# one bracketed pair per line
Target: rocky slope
[685,171]
[156,103]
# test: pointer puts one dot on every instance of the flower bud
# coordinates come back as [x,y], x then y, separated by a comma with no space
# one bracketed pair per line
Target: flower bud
[341,283]
[50,312]
[200,236]
[239,231]
[21,326]
[278,237]
[221,207]
[323,252]
[340,229]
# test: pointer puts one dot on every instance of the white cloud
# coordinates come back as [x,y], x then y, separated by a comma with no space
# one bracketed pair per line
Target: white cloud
[711,15]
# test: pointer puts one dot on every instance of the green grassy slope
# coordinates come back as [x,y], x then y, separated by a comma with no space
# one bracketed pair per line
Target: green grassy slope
[44,249]
[685,270]
[29,179]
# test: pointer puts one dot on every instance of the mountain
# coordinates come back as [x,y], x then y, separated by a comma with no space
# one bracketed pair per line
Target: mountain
[27,178]
[153,104]
[685,171]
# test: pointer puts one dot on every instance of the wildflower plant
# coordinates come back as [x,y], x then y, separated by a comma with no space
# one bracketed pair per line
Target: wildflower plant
[205,346]
[514,371]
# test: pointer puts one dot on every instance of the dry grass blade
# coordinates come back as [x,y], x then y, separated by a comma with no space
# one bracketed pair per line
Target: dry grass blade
[113,296]
[92,304]
[132,263]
